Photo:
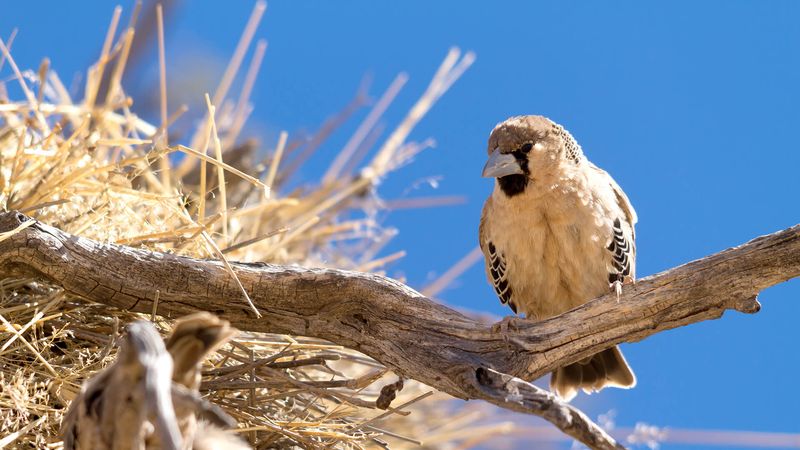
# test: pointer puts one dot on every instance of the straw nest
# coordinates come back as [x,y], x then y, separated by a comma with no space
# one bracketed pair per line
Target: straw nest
[92,167]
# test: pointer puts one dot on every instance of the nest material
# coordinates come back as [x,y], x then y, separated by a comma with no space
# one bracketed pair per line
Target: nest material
[93,167]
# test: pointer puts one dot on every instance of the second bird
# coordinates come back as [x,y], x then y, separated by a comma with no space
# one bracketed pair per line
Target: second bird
[556,232]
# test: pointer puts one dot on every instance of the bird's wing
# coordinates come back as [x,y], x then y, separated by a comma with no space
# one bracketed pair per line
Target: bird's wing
[631,218]
[623,241]
[624,203]
[623,255]
[495,261]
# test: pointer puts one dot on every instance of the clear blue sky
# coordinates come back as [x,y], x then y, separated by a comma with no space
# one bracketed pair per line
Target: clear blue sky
[691,106]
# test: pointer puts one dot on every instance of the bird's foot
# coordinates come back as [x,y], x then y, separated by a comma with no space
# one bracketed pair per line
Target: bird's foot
[508,323]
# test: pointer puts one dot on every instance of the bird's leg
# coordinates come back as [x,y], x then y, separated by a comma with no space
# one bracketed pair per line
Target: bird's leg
[616,287]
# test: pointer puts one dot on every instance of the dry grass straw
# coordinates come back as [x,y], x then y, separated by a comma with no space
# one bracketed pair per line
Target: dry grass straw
[94,168]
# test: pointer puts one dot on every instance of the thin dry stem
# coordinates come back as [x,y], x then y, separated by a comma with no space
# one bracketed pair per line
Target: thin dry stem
[96,169]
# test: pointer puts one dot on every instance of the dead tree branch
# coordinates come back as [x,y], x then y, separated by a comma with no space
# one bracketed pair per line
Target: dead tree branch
[399,327]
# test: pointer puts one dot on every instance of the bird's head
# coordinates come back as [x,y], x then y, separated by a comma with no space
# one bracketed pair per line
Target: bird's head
[524,149]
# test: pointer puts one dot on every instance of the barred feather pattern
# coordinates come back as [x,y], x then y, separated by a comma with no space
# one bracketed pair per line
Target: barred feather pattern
[497,270]
[620,250]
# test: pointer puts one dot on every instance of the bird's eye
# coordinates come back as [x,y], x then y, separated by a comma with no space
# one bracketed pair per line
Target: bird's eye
[526,147]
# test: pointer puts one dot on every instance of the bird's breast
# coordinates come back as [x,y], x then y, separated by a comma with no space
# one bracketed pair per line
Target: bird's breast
[555,251]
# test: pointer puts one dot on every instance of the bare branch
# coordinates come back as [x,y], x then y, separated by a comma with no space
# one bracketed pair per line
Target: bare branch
[399,327]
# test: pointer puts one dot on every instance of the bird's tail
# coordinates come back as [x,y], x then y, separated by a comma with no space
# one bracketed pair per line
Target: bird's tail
[607,368]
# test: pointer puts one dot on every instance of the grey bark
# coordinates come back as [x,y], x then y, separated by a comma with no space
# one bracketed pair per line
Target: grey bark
[415,336]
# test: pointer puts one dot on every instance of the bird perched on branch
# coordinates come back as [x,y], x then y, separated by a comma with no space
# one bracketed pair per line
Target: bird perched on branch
[556,232]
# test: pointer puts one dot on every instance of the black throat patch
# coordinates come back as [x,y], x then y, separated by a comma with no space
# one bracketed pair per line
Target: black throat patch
[512,185]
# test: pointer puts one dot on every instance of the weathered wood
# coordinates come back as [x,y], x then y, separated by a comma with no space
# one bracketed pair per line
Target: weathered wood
[148,398]
[394,324]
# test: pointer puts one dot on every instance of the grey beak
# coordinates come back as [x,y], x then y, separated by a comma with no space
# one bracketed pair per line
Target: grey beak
[501,165]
